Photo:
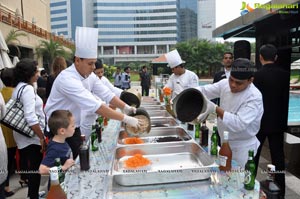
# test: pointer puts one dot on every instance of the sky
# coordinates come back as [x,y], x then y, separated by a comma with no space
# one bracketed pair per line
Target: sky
[227,10]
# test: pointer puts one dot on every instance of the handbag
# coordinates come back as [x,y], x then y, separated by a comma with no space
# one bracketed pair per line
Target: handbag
[14,117]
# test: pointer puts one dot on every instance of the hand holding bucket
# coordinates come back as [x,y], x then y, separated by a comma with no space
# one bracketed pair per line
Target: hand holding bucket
[189,104]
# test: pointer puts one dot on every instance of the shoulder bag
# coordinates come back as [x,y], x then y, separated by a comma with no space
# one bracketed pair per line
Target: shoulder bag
[14,117]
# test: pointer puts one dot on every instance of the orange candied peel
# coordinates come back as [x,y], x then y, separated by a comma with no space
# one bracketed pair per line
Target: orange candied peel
[137,161]
[133,140]
[167,90]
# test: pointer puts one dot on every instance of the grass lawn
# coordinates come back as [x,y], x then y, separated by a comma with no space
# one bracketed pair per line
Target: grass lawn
[133,77]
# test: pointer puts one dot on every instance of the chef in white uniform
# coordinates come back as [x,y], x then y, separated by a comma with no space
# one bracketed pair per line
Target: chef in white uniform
[89,118]
[240,110]
[181,78]
[75,87]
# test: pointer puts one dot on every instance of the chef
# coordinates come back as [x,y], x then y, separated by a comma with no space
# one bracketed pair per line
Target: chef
[181,78]
[240,110]
[89,118]
[75,87]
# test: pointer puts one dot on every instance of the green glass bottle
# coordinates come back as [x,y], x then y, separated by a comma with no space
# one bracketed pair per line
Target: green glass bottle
[100,120]
[61,173]
[214,142]
[197,131]
[249,181]
[94,138]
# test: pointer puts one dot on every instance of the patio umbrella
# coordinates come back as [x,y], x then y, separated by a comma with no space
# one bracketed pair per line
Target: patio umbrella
[5,61]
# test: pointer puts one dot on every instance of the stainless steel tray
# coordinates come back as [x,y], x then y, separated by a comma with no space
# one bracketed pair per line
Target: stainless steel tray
[148,99]
[158,113]
[149,103]
[170,162]
[159,135]
[163,122]
[153,107]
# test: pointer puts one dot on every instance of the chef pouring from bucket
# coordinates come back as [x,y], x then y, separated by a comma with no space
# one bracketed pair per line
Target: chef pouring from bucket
[78,89]
[240,110]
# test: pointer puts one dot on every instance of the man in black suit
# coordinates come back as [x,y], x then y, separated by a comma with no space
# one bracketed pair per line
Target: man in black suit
[272,81]
[225,72]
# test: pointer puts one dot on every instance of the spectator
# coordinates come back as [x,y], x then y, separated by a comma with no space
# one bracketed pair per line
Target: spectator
[3,152]
[7,79]
[125,78]
[42,80]
[117,77]
[225,72]
[273,81]
[31,149]
[145,79]
[59,64]
[61,125]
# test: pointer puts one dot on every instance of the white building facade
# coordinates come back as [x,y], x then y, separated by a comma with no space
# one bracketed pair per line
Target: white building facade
[132,30]
[206,19]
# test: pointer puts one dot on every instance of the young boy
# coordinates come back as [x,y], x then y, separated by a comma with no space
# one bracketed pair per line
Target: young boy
[62,126]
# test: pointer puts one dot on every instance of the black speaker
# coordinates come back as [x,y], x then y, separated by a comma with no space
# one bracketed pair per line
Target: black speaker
[242,49]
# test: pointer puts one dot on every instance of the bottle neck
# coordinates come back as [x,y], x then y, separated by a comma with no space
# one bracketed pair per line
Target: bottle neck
[54,182]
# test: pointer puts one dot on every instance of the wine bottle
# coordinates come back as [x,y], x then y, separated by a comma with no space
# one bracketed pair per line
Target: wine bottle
[225,154]
[99,133]
[84,155]
[204,134]
[249,180]
[55,191]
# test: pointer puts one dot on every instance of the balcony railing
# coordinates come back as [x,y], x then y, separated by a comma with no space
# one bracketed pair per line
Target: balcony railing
[21,24]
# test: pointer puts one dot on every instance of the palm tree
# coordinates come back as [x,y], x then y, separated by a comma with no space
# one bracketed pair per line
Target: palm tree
[49,50]
[13,37]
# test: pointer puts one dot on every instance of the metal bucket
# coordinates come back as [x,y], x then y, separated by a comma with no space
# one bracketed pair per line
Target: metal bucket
[188,104]
[132,97]
[146,129]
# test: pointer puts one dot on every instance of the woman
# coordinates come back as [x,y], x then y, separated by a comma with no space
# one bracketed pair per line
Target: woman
[3,152]
[58,65]
[7,78]
[31,149]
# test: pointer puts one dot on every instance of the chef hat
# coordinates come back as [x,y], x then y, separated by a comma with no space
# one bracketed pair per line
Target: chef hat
[86,42]
[242,69]
[174,59]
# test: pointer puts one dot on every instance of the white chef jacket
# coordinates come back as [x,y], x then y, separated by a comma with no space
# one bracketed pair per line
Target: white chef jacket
[89,118]
[242,116]
[72,92]
[178,83]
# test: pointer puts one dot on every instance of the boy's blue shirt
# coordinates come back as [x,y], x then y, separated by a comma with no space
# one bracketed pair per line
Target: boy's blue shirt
[56,150]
